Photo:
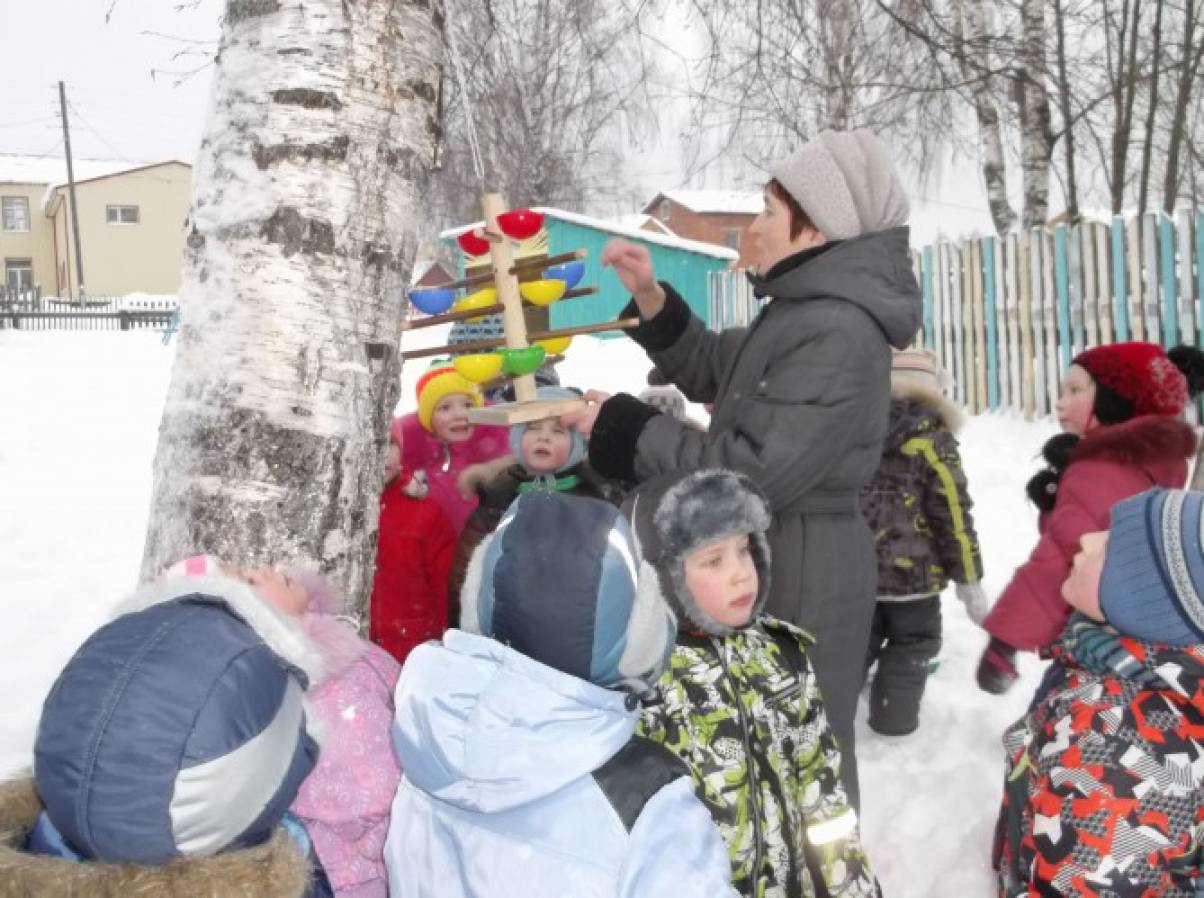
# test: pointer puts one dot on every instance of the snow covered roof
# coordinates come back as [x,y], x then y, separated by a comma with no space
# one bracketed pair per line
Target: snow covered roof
[730,202]
[52,170]
[639,221]
[602,224]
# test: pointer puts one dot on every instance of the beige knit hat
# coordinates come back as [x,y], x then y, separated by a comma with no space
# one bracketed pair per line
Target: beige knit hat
[918,366]
[845,182]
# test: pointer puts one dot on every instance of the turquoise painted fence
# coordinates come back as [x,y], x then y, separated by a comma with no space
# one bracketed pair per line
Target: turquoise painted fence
[1006,315]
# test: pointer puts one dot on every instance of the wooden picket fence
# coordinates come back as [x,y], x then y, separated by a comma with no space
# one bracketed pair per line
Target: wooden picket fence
[1006,315]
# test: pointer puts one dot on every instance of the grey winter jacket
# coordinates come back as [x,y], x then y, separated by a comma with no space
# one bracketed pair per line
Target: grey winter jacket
[800,406]
[801,395]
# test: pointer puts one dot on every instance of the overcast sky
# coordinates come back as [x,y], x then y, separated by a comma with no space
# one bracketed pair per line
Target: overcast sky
[124,101]
[132,97]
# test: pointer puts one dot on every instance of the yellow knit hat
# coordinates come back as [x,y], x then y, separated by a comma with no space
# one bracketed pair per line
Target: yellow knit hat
[437,384]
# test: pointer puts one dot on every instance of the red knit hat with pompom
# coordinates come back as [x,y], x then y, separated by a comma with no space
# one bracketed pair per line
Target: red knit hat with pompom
[1141,373]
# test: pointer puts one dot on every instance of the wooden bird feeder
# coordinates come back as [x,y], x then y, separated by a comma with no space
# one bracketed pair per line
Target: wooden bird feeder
[520,358]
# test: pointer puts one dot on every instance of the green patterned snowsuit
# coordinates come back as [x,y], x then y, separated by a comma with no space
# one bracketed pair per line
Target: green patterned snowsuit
[745,713]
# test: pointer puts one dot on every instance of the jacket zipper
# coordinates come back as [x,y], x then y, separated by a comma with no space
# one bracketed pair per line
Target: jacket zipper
[753,785]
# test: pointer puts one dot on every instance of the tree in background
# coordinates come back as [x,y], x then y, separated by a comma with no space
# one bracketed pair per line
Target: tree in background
[308,200]
[1103,95]
[556,92]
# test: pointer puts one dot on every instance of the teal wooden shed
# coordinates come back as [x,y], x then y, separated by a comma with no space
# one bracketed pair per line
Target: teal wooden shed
[687,264]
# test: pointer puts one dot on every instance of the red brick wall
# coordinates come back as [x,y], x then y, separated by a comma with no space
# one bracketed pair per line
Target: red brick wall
[705,227]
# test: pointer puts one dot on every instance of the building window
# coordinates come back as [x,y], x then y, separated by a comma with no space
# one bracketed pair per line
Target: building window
[121,214]
[666,206]
[18,274]
[731,238]
[14,212]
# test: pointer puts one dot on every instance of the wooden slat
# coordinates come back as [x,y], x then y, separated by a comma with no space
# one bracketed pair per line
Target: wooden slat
[1090,293]
[489,345]
[1027,356]
[1074,284]
[940,320]
[1169,275]
[1136,282]
[1012,294]
[977,273]
[1151,294]
[926,288]
[1120,280]
[1053,367]
[958,346]
[1103,283]
[1187,284]
[1062,294]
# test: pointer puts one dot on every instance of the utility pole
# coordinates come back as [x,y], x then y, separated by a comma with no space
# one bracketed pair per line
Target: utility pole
[79,259]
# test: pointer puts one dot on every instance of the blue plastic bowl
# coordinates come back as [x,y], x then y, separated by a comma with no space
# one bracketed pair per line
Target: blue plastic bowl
[570,272]
[434,301]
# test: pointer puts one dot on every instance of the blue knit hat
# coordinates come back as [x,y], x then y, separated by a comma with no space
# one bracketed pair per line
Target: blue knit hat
[1152,586]
[578,449]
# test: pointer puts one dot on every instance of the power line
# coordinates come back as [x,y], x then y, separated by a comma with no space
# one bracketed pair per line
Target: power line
[75,111]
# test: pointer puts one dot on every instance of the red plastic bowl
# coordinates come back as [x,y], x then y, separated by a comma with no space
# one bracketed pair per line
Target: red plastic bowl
[519,224]
[472,244]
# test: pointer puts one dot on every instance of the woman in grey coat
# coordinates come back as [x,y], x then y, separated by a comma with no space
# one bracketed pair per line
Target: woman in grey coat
[800,396]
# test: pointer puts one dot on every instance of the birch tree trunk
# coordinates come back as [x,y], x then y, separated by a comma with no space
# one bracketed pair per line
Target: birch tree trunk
[1035,142]
[972,27]
[321,130]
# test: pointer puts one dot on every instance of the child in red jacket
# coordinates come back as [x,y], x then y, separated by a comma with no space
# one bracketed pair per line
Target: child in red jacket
[1120,408]
[413,556]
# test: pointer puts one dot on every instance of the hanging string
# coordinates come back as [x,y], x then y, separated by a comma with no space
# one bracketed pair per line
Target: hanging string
[458,67]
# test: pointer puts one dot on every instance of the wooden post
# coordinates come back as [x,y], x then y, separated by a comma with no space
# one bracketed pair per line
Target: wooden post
[977,277]
[502,256]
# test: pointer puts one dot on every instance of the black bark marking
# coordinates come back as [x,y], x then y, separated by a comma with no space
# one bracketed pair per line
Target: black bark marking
[240,10]
[307,98]
[296,233]
[416,88]
[334,150]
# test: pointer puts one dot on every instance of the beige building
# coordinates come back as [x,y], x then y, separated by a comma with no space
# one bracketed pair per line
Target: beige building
[131,225]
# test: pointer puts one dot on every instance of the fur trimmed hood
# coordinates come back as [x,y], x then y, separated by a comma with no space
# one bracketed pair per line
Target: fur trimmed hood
[282,634]
[946,412]
[275,869]
[1139,442]
[675,514]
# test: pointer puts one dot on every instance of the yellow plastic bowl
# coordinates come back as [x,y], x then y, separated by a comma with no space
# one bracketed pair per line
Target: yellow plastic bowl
[542,293]
[479,367]
[555,345]
[478,300]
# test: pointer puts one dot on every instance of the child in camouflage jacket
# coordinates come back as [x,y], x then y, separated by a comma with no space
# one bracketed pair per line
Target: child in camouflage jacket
[918,508]
[740,703]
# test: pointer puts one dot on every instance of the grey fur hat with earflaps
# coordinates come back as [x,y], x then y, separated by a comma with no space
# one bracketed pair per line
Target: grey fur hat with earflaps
[676,514]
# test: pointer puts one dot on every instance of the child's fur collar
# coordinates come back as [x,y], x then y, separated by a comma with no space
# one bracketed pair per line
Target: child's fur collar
[950,415]
[1138,441]
[275,869]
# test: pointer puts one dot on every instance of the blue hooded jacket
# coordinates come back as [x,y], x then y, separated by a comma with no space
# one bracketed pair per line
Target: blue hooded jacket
[521,779]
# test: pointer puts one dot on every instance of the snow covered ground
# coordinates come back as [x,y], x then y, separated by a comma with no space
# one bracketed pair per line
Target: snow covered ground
[79,415]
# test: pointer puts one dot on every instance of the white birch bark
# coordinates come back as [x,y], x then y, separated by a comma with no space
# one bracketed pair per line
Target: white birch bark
[1036,148]
[307,197]
[994,167]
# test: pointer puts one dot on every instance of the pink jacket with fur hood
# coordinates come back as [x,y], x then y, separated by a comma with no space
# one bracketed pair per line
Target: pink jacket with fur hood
[443,462]
[1108,464]
[345,801]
